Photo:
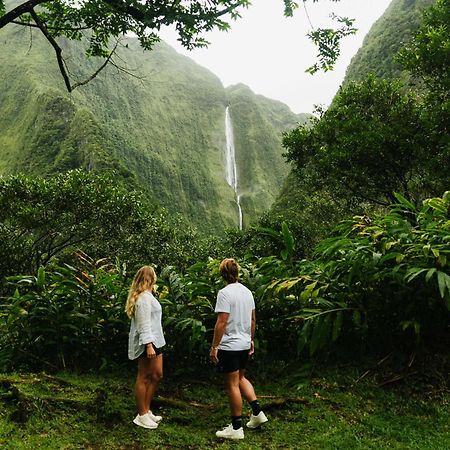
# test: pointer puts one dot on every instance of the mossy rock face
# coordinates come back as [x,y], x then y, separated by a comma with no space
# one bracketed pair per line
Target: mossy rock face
[164,130]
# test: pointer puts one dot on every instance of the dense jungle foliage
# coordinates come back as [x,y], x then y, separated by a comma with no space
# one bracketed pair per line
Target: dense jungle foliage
[384,131]
[378,283]
[43,219]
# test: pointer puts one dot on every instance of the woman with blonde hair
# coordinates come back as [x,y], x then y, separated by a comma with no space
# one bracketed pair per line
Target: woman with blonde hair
[144,343]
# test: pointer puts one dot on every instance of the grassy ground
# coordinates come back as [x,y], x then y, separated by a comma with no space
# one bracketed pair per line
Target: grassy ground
[68,411]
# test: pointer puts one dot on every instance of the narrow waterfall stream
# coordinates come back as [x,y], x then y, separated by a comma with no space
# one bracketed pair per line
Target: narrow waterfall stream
[231,172]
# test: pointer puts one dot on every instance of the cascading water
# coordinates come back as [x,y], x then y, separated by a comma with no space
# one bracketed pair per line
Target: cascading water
[231,172]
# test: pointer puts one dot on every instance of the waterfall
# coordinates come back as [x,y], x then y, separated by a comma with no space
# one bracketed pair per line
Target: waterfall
[231,172]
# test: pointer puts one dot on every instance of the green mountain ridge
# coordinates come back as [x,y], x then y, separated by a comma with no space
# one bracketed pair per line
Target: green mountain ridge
[317,211]
[385,38]
[162,129]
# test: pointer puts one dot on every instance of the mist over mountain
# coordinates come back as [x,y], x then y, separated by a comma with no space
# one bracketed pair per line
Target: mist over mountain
[162,129]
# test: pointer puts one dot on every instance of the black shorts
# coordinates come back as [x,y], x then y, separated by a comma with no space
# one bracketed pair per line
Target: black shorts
[158,351]
[230,361]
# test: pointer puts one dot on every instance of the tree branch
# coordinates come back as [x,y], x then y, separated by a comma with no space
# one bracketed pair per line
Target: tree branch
[361,195]
[56,248]
[107,60]
[143,16]
[127,71]
[148,15]
[32,25]
[41,25]
[55,45]
[19,10]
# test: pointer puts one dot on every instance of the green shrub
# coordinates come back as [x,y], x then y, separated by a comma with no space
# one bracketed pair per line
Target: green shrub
[382,282]
[45,220]
[73,317]
[66,317]
[379,283]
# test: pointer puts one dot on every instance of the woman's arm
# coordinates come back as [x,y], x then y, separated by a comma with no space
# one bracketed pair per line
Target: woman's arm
[142,315]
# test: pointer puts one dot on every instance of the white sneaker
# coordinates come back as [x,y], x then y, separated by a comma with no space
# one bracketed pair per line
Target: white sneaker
[230,433]
[145,422]
[155,419]
[256,421]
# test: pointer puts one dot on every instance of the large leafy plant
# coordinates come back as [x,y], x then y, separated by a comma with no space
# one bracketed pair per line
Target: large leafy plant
[384,281]
[66,317]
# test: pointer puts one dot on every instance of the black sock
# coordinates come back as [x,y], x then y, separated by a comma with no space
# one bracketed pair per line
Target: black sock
[256,409]
[236,421]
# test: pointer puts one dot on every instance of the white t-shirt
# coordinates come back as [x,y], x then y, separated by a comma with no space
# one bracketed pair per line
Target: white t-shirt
[237,300]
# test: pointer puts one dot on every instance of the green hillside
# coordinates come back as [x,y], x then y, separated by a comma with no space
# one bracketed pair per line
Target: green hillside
[389,33]
[316,212]
[162,129]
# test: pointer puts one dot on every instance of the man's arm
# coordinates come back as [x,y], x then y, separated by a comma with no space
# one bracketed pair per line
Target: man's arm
[253,324]
[219,330]
[253,328]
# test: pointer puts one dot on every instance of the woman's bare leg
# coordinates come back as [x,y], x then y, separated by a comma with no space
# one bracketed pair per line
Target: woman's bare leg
[140,387]
[147,379]
[156,373]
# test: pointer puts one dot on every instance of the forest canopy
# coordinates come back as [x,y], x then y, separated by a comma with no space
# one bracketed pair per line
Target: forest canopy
[383,136]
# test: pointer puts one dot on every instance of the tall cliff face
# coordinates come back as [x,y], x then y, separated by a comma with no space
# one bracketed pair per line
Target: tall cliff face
[162,129]
[258,124]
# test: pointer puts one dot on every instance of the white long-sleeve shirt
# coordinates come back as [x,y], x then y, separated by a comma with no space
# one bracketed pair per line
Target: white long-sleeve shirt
[145,325]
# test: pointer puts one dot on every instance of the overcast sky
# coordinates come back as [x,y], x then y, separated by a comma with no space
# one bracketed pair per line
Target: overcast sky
[269,52]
